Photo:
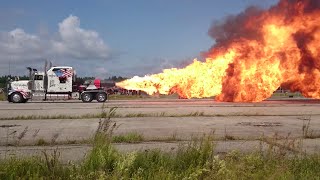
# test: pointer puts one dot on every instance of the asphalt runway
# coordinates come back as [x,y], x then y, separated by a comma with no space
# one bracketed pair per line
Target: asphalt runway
[157,106]
[163,119]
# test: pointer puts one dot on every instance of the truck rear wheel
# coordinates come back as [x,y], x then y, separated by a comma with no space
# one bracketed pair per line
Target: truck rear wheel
[86,97]
[16,97]
[101,97]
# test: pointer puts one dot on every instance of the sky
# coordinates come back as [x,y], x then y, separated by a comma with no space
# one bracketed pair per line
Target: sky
[103,38]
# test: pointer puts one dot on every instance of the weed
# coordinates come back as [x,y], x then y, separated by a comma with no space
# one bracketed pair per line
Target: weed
[228,136]
[54,138]
[35,133]
[306,126]
[308,133]
[21,135]
[52,161]
[196,114]
[131,115]
[103,156]
[173,137]
[282,145]
[312,135]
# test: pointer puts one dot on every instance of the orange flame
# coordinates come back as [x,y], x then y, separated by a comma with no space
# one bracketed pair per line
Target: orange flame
[284,50]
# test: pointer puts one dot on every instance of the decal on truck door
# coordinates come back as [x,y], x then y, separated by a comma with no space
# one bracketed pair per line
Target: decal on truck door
[63,74]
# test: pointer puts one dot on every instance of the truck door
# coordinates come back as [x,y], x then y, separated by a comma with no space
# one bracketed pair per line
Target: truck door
[38,83]
[60,80]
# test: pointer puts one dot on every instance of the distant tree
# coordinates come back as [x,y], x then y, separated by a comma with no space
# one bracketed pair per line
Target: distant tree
[4,79]
[81,80]
[116,79]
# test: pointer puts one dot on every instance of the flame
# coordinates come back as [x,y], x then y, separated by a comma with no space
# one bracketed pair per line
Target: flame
[191,81]
[271,48]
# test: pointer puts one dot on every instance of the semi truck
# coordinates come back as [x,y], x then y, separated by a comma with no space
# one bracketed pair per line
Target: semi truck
[54,83]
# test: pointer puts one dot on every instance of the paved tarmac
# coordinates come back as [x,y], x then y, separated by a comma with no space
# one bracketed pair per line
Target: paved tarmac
[244,122]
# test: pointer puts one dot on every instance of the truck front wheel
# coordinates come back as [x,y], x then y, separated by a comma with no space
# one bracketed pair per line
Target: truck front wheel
[86,97]
[101,97]
[16,97]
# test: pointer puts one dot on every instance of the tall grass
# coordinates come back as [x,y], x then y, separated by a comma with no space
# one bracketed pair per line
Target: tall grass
[195,160]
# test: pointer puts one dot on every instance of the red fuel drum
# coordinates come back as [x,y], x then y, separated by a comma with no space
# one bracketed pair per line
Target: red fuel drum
[97,83]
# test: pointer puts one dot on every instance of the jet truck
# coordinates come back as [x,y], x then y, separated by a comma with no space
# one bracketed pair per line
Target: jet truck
[54,83]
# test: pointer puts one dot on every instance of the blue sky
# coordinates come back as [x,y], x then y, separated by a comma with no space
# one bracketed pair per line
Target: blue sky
[105,38]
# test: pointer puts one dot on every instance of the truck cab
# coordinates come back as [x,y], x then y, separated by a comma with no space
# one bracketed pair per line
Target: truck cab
[55,83]
[60,79]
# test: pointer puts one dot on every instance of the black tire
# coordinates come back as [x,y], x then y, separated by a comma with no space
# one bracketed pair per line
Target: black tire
[101,97]
[16,97]
[9,98]
[86,97]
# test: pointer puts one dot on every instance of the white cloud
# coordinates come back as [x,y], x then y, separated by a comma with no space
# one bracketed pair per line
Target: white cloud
[71,41]
[77,42]
[17,45]
[101,70]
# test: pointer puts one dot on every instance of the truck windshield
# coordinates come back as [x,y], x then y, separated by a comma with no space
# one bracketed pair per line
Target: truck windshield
[38,77]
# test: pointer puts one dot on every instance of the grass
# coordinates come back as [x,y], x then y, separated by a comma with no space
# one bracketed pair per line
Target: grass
[171,138]
[132,137]
[193,161]
[41,142]
[33,117]
[101,115]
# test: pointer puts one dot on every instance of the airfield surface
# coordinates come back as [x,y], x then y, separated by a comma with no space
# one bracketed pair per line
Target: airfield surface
[164,123]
